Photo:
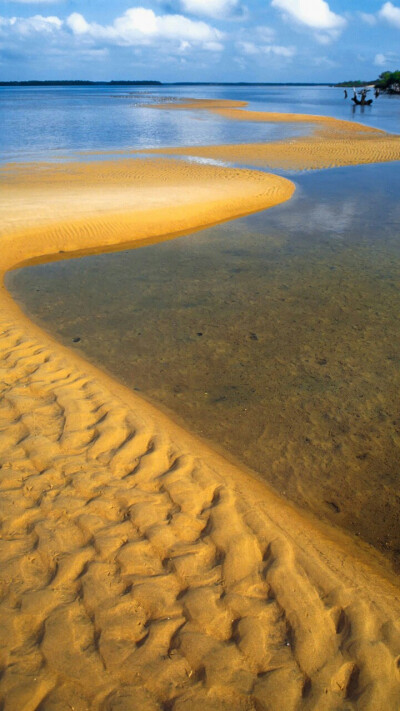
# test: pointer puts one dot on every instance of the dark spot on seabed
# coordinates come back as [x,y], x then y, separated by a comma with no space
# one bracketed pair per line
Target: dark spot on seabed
[253,337]
[333,506]
[322,361]
[199,333]
[76,340]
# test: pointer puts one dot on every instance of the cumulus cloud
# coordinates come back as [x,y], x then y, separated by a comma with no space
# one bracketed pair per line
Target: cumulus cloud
[315,14]
[217,9]
[391,13]
[42,43]
[138,32]
[252,49]
[139,25]
[31,25]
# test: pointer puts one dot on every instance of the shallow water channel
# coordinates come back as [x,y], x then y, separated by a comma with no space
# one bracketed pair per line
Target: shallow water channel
[275,337]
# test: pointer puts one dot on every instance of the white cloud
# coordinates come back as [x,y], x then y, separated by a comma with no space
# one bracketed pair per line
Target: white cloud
[326,37]
[141,26]
[161,38]
[212,8]
[252,49]
[391,13]
[279,50]
[31,25]
[324,62]
[35,2]
[77,24]
[265,33]
[213,46]
[86,53]
[380,60]
[184,46]
[367,18]
[386,60]
[315,14]
[247,48]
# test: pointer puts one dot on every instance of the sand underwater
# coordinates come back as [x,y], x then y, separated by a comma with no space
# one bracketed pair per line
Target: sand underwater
[140,570]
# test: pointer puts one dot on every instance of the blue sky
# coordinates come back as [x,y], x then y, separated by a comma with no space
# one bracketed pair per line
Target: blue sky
[199,40]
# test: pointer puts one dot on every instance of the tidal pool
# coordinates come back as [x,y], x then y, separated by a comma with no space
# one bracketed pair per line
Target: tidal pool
[275,337]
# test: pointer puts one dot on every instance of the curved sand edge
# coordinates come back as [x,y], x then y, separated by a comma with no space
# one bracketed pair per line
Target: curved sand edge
[140,570]
[333,143]
[237,111]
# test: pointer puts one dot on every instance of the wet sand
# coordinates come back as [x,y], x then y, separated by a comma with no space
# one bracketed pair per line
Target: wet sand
[238,111]
[275,337]
[332,142]
[315,152]
[140,570]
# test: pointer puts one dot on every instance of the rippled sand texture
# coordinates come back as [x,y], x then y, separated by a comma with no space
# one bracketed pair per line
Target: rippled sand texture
[332,142]
[270,336]
[139,570]
[115,195]
[140,573]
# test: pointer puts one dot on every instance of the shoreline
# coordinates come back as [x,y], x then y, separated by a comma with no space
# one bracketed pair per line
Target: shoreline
[139,566]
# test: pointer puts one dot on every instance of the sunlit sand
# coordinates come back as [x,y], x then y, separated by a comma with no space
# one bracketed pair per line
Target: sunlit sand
[140,569]
[332,142]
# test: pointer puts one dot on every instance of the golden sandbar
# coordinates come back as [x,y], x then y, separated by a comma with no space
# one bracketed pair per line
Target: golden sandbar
[139,569]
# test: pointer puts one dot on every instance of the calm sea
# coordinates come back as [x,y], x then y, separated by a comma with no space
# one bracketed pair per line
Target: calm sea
[52,122]
[275,337]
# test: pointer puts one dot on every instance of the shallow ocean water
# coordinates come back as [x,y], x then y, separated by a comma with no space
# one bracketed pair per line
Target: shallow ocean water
[52,122]
[276,337]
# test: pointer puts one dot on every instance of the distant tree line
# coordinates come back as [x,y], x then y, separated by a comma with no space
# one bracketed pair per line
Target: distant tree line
[78,82]
[355,83]
[123,82]
[387,81]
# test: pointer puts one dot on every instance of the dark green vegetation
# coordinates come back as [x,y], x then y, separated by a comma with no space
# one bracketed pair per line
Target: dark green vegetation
[78,82]
[387,81]
[356,83]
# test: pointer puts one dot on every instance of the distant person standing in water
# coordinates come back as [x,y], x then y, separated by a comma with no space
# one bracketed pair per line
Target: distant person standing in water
[345,93]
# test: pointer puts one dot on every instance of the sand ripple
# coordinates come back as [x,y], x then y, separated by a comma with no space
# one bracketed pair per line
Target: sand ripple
[139,570]
[135,576]
[332,142]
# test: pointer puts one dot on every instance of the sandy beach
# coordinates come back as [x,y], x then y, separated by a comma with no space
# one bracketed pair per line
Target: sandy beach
[140,570]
